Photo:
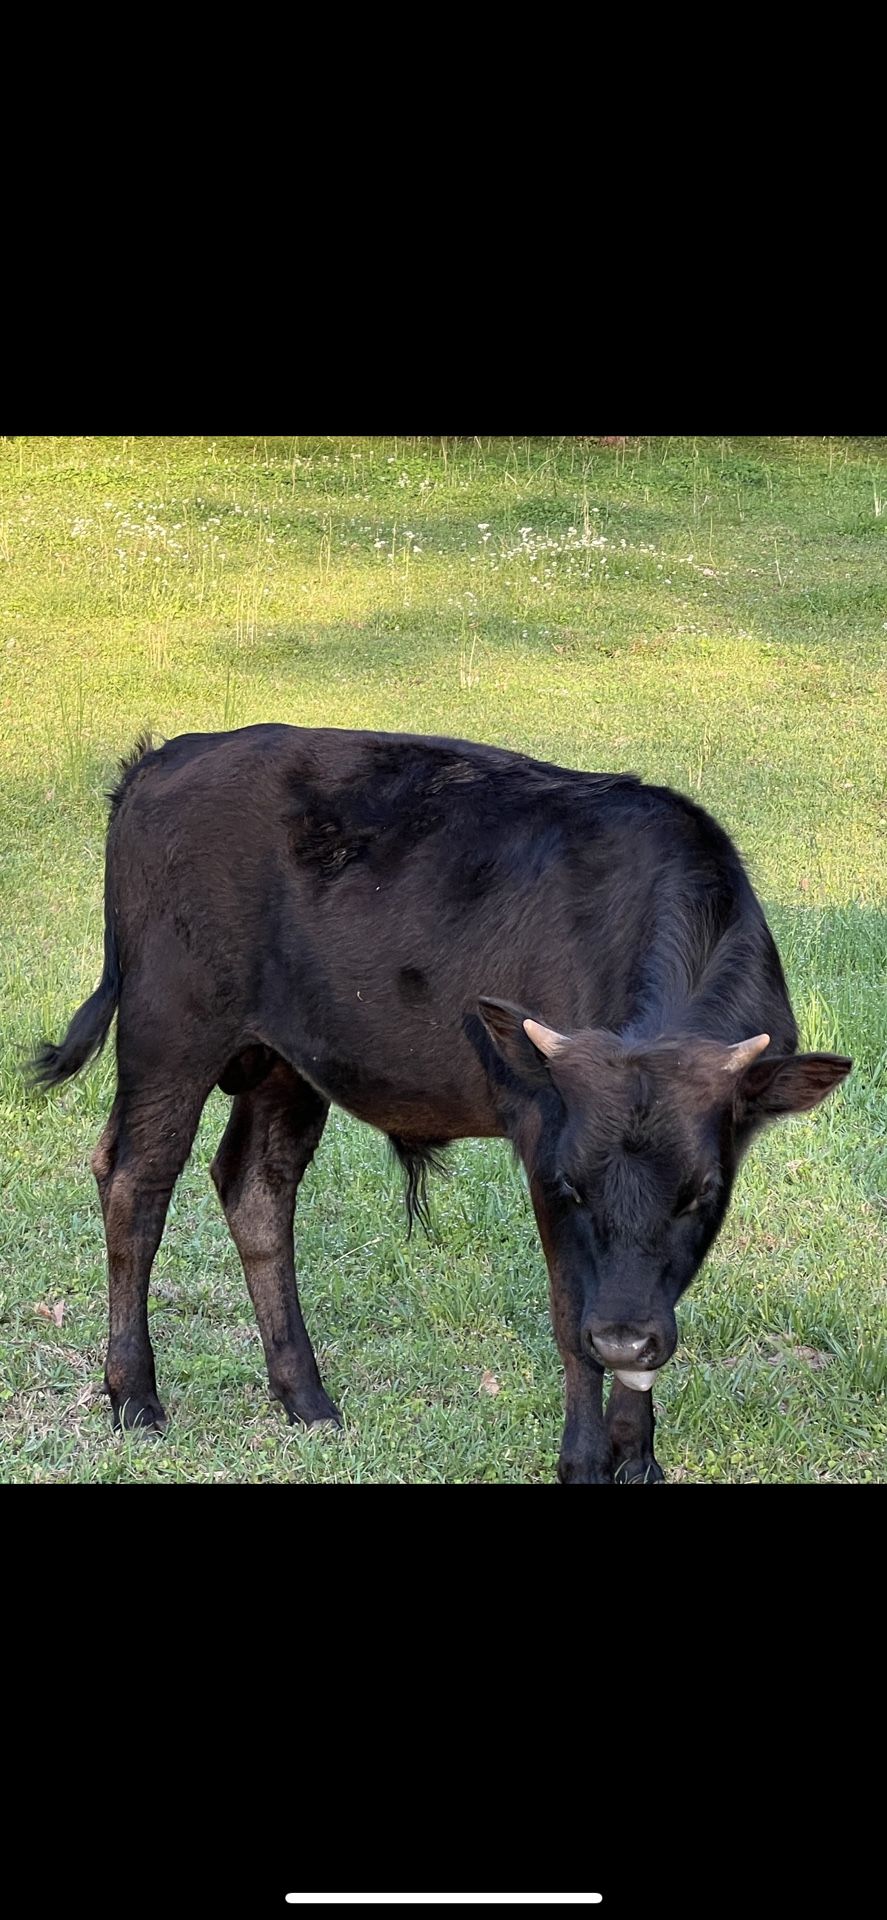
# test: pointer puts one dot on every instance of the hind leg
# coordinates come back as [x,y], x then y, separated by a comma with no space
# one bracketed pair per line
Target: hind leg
[264,1151]
[136,1164]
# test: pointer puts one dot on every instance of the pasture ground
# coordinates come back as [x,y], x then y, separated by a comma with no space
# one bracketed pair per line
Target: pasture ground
[709,613]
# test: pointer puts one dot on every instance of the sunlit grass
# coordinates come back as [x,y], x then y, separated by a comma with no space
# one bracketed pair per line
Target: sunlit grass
[712,614]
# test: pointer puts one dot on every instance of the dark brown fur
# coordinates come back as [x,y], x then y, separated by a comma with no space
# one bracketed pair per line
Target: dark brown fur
[312,916]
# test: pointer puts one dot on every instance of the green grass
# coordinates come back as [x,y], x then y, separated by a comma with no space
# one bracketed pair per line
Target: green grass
[710,613]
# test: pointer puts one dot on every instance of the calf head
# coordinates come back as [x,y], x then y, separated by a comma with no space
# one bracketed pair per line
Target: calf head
[632,1151]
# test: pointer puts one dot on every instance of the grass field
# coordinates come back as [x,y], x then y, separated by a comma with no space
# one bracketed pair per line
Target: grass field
[709,613]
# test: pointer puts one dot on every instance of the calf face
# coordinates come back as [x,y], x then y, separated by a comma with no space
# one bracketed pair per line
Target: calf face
[634,1149]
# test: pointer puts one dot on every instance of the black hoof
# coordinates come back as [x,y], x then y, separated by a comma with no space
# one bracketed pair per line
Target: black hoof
[138,1410]
[313,1409]
[571,1473]
[638,1473]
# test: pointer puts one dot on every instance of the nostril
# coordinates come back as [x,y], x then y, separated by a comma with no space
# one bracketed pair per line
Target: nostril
[616,1346]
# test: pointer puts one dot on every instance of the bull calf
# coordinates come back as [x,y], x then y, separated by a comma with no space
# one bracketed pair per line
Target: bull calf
[445,939]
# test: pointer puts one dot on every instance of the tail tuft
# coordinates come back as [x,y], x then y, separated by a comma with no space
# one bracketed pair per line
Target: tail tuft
[90,1026]
[46,1068]
[84,1039]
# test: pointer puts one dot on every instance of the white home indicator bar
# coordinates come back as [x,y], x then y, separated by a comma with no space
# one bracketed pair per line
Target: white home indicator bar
[444,1899]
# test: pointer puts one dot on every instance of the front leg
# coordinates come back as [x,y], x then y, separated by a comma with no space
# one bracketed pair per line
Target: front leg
[586,1456]
[630,1422]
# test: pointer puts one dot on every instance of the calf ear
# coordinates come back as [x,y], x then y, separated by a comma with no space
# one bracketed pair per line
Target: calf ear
[505,1026]
[790,1084]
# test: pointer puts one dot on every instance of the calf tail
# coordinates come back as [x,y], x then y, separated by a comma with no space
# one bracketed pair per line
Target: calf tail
[88,1030]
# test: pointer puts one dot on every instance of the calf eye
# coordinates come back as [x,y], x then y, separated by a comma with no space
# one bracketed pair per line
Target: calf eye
[568,1192]
[690,1199]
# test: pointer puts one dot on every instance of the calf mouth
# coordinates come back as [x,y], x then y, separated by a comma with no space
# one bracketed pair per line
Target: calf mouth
[640,1379]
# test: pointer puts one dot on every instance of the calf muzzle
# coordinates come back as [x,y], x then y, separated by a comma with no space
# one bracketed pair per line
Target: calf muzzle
[632,1348]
